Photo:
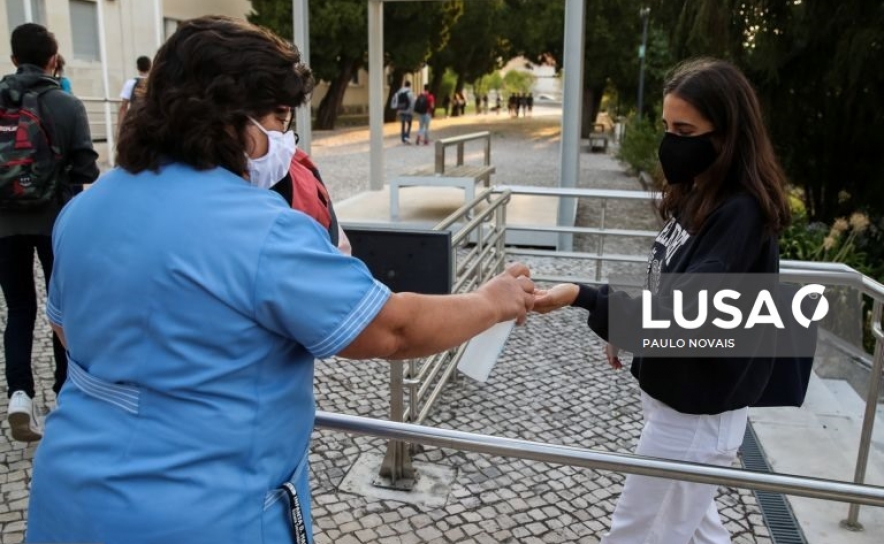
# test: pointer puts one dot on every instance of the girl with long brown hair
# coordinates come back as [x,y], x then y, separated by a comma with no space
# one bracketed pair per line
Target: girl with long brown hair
[724,205]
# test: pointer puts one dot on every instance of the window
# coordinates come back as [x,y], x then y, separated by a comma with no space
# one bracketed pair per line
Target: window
[169,27]
[354,79]
[84,29]
[16,13]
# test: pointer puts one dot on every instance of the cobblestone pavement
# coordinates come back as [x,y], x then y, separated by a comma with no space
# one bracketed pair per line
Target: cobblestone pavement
[550,385]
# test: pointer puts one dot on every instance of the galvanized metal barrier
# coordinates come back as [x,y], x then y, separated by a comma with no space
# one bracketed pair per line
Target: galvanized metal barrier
[792,271]
[485,227]
[105,109]
[804,486]
[603,196]
[479,253]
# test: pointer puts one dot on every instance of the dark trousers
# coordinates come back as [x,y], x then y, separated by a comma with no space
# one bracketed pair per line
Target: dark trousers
[405,127]
[17,281]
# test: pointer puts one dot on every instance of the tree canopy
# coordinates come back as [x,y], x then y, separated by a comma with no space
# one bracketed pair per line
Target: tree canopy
[816,65]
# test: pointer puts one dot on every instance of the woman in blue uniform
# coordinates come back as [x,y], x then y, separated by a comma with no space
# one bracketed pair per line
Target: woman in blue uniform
[193,302]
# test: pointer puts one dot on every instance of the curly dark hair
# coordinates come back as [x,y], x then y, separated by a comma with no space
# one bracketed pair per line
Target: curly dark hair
[746,160]
[207,79]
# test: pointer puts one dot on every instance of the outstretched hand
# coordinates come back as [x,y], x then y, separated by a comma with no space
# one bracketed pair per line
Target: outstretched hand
[554,298]
[512,292]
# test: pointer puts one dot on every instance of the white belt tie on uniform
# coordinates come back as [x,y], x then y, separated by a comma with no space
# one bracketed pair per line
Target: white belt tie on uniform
[121,396]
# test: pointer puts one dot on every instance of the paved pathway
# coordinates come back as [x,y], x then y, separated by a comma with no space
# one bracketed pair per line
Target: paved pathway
[550,385]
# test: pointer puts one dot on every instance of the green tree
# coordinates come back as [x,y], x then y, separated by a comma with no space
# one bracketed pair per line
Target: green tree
[476,45]
[517,81]
[339,41]
[338,44]
[612,37]
[820,84]
[413,31]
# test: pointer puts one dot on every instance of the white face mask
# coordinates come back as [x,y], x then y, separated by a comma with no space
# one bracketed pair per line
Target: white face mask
[266,171]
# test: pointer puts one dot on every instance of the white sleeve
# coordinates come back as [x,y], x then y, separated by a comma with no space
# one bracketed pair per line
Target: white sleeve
[126,94]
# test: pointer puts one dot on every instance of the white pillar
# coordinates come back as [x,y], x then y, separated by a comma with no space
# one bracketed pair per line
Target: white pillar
[102,48]
[301,28]
[158,18]
[572,106]
[29,11]
[376,91]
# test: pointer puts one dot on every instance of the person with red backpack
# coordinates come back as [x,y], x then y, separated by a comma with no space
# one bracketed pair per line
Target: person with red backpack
[423,107]
[46,155]
[291,173]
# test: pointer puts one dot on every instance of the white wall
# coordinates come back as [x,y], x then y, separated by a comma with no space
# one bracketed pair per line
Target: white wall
[130,29]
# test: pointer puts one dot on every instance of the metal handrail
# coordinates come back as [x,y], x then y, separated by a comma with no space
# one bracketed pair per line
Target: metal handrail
[797,271]
[426,379]
[804,486]
[459,142]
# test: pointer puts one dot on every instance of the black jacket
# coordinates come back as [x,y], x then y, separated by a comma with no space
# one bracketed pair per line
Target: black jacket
[733,240]
[68,128]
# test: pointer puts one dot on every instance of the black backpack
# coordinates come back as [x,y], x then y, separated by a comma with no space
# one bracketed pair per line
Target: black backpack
[402,101]
[422,104]
[29,163]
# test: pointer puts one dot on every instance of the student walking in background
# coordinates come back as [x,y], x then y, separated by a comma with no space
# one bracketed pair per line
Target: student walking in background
[134,88]
[403,103]
[63,80]
[32,99]
[725,205]
[424,105]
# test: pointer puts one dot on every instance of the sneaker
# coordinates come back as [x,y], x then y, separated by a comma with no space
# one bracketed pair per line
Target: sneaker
[23,419]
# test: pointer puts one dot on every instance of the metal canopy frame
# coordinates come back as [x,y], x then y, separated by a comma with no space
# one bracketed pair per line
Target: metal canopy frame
[572,103]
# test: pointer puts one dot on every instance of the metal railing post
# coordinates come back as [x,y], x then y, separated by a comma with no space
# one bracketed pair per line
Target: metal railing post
[412,383]
[865,439]
[396,471]
[460,153]
[598,263]
[440,157]
[501,240]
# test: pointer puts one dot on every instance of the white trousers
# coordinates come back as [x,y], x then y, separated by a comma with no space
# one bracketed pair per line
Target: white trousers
[662,511]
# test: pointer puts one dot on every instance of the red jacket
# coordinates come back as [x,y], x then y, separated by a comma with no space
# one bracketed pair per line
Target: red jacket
[304,191]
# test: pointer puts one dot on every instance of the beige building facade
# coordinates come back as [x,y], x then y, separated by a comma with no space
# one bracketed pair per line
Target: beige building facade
[130,29]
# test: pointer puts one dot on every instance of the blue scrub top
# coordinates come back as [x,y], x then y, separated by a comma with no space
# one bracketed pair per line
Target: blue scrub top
[193,306]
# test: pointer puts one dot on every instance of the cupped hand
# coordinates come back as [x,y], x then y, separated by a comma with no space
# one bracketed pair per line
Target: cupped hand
[556,297]
[512,292]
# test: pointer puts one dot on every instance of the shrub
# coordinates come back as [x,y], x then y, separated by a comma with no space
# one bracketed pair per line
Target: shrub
[842,242]
[846,241]
[638,149]
[641,139]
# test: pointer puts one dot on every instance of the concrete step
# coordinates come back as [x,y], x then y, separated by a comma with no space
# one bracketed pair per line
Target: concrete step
[821,440]
[854,406]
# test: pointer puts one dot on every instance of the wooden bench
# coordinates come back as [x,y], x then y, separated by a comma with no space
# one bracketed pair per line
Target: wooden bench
[442,174]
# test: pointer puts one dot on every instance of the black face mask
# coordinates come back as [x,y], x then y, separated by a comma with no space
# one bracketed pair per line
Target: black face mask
[685,157]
